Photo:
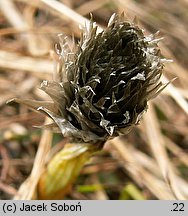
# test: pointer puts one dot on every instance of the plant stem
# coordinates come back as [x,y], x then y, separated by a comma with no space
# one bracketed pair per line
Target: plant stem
[64,168]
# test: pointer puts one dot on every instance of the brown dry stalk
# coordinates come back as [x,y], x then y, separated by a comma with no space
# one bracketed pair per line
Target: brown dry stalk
[27,191]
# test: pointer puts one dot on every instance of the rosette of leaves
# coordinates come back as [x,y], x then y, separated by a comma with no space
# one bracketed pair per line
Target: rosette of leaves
[102,87]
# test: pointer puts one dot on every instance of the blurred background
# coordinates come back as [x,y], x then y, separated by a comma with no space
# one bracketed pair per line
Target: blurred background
[149,163]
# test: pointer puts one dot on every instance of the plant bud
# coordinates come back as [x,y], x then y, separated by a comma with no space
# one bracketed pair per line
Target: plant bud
[104,82]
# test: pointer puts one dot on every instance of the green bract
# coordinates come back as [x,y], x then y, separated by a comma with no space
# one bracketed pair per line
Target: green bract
[104,82]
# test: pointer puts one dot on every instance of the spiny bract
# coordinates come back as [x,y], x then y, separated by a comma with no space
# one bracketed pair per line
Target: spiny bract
[104,82]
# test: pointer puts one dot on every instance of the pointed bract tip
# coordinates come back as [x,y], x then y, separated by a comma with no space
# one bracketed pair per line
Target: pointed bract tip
[11,101]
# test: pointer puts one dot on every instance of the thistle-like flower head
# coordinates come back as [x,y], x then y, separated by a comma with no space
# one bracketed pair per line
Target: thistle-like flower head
[104,82]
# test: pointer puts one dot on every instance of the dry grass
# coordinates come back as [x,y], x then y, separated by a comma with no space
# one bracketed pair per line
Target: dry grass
[153,158]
